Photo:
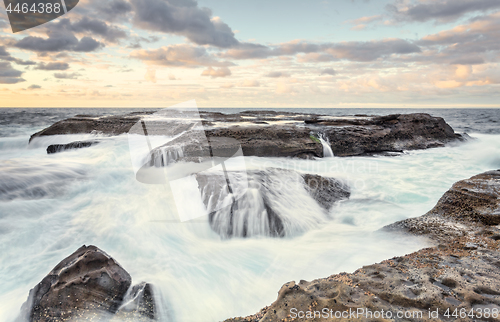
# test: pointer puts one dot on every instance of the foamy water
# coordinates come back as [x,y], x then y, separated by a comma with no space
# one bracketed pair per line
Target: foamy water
[91,196]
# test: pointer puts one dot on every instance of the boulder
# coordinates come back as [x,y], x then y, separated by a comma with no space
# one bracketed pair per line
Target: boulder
[88,282]
[391,133]
[87,124]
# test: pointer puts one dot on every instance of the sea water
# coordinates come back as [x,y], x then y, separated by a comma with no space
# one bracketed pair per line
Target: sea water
[50,205]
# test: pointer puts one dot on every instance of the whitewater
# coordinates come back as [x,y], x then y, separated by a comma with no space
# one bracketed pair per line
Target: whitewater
[50,205]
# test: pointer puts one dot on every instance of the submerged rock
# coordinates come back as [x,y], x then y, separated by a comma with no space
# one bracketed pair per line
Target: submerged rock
[54,148]
[457,280]
[326,191]
[87,284]
[255,202]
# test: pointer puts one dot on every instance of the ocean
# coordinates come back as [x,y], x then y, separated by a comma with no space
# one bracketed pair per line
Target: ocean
[50,205]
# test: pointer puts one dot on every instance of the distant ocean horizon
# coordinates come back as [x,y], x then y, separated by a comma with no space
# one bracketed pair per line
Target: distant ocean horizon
[463,120]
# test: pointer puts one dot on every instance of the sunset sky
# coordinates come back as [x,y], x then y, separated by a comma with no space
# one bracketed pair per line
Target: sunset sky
[256,53]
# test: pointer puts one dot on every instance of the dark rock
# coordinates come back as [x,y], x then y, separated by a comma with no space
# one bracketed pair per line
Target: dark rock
[109,125]
[258,141]
[86,283]
[272,141]
[326,191]
[391,133]
[54,148]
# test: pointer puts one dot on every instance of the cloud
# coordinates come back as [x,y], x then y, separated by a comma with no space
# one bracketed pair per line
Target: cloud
[360,23]
[185,18]
[178,55]
[468,61]
[66,75]
[463,71]
[257,51]
[88,26]
[250,83]
[9,75]
[439,10]
[113,10]
[469,44]
[277,74]
[371,50]
[316,58]
[282,88]
[328,71]
[352,50]
[221,72]
[4,55]
[136,42]
[52,66]
[33,87]
[58,41]
[366,19]
[448,84]
[150,75]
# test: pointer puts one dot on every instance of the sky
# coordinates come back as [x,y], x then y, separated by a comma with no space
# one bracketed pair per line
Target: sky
[256,53]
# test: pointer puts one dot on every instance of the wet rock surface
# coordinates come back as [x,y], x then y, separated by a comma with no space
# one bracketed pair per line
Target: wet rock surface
[139,303]
[55,148]
[391,133]
[457,280]
[326,191]
[87,284]
[86,124]
[275,134]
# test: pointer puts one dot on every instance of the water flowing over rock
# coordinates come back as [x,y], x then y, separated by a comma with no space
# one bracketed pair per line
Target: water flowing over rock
[256,202]
[28,181]
[139,303]
[326,191]
[327,149]
[459,279]
[87,284]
